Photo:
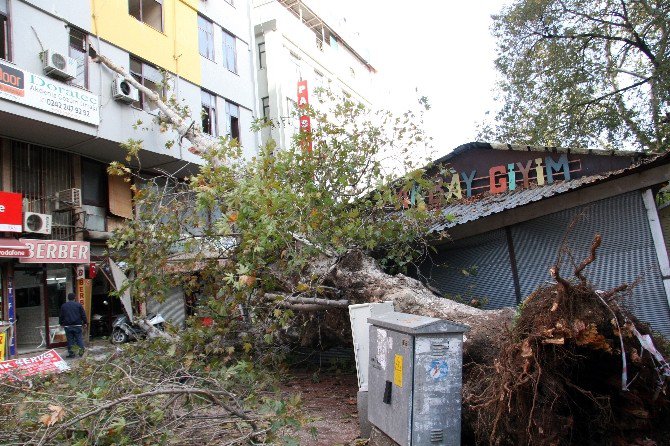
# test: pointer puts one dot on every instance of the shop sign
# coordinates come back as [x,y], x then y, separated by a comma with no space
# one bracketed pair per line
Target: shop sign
[503,178]
[46,363]
[11,212]
[305,120]
[46,94]
[11,315]
[56,251]
[3,345]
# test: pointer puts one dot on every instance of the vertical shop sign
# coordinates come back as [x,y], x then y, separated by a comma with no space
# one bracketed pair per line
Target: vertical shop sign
[11,316]
[84,292]
[3,346]
[305,120]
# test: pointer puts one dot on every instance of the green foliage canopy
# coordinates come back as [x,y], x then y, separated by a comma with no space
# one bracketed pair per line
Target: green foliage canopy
[583,72]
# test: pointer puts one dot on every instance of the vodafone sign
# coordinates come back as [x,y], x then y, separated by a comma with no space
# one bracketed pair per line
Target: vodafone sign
[11,216]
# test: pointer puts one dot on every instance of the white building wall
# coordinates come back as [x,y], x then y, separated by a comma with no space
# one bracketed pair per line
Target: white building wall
[42,24]
[292,54]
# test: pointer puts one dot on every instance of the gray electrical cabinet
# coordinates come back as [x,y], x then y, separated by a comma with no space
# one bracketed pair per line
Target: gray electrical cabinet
[415,378]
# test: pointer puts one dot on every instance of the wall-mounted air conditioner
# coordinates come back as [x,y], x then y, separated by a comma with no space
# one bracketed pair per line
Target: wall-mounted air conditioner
[68,199]
[122,91]
[36,223]
[59,65]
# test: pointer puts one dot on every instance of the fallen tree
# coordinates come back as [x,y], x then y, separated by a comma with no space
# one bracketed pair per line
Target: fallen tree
[269,242]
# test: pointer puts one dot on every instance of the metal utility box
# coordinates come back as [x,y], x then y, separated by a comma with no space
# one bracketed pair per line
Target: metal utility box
[415,378]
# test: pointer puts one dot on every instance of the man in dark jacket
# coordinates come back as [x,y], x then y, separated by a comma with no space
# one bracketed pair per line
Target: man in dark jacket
[72,319]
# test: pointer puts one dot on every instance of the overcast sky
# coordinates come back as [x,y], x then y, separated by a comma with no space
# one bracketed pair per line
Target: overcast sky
[443,48]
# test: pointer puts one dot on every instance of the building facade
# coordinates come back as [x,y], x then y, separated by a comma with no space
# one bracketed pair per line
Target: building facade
[63,119]
[513,208]
[297,42]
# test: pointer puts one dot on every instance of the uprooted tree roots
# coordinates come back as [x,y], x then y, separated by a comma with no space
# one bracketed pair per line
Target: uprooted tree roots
[562,377]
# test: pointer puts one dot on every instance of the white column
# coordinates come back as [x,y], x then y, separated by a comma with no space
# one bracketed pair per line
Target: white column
[657,236]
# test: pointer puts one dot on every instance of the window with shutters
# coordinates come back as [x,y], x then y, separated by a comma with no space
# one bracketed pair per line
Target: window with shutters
[229,52]
[149,76]
[4,30]
[208,113]
[78,50]
[147,11]
[233,115]
[206,38]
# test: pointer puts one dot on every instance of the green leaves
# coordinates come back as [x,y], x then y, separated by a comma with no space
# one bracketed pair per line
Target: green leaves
[582,73]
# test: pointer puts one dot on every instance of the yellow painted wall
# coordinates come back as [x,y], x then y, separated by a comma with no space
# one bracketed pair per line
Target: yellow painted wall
[175,49]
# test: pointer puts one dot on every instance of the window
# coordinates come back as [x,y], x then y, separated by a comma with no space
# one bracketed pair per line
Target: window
[93,183]
[233,114]
[78,50]
[147,11]
[265,102]
[229,52]
[261,55]
[206,37]
[150,77]
[4,30]
[208,113]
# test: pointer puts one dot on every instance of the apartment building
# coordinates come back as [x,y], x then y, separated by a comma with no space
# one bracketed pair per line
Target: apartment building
[296,41]
[63,117]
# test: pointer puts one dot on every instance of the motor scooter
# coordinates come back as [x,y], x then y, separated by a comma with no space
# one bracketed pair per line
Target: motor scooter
[123,330]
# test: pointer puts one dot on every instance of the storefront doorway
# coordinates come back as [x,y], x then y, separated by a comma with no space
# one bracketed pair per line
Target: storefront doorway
[40,291]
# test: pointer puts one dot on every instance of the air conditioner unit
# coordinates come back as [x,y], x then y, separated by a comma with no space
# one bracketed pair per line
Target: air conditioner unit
[59,65]
[68,199]
[36,223]
[122,91]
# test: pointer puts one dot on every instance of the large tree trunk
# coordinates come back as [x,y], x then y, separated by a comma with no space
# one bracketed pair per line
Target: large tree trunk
[360,279]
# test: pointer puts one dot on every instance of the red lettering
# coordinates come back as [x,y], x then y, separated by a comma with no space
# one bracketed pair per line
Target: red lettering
[496,186]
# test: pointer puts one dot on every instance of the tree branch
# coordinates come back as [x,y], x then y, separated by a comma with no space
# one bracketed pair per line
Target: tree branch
[175,391]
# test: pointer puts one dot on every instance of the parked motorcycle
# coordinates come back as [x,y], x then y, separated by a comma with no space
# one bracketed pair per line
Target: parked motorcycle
[123,330]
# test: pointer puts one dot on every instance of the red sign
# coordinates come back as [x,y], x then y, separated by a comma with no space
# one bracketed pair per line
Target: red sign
[305,120]
[10,247]
[11,212]
[56,251]
[47,362]
[92,270]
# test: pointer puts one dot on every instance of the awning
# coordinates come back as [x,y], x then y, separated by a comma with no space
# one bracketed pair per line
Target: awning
[10,247]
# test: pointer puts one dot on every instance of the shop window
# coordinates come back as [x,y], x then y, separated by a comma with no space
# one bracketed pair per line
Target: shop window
[4,30]
[265,102]
[233,114]
[78,50]
[93,183]
[147,11]
[28,297]
[149,76]
[261,56]
[208,113]
[229,52]
[206,37]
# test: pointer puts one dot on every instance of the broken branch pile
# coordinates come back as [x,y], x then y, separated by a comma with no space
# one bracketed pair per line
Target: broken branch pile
[573,371]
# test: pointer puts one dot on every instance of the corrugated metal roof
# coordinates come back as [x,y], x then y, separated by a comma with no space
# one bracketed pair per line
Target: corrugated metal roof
[527,148]
[483,205]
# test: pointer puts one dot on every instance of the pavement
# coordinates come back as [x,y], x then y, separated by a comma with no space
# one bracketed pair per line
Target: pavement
[97,349]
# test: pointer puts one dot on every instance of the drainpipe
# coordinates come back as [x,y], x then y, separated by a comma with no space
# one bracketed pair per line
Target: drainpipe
[253,60]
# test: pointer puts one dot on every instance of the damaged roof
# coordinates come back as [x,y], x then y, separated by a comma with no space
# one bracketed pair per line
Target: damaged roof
[483,205]
[545,149]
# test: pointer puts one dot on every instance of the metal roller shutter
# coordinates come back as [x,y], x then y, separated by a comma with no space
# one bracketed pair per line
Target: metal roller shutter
[627,252]
[493,280]
[172,308]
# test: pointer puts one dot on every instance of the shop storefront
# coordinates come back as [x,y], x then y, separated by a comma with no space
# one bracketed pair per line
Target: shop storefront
[35,284]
